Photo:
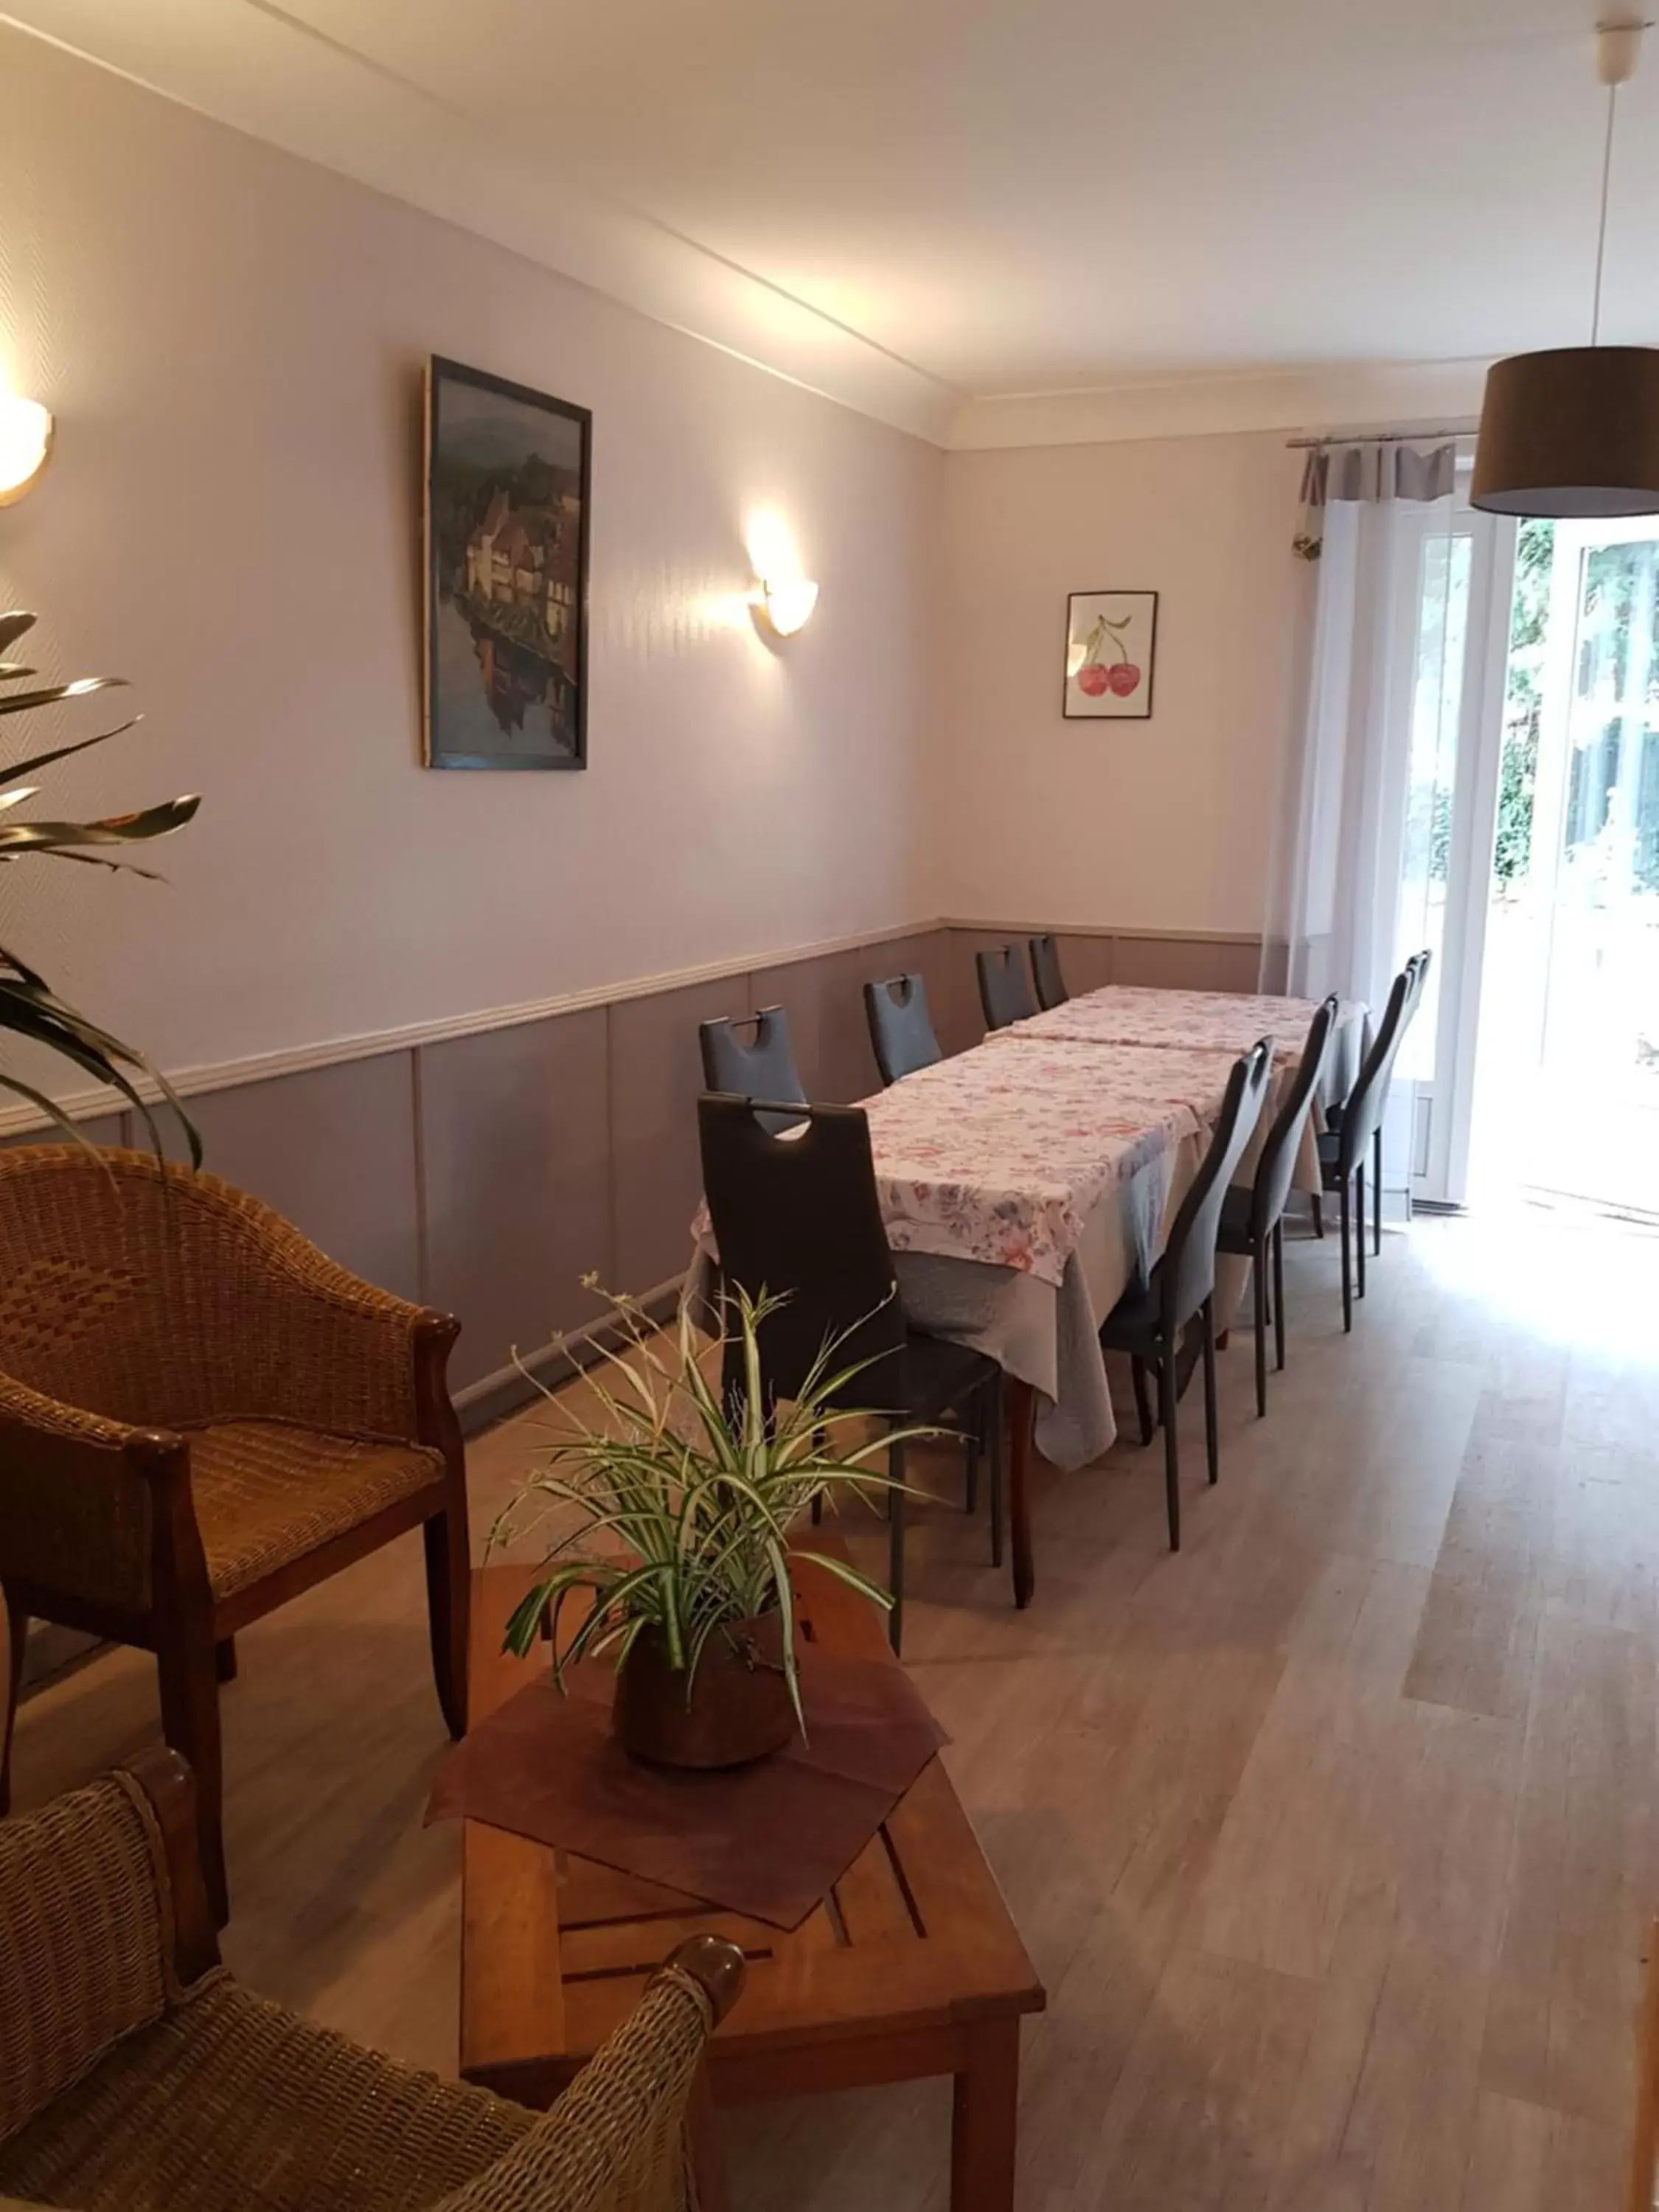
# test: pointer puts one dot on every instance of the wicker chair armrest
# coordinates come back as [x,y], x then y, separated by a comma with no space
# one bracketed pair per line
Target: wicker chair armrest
[88,1937]
[616,2140]
[78,1497]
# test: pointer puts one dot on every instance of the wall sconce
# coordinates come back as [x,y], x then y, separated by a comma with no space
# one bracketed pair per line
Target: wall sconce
[25,444]
[785,604]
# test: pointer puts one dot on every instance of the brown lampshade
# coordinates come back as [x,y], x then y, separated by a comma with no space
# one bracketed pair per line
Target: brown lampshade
[1570,432]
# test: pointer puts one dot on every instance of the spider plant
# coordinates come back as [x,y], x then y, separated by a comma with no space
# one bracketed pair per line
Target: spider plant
[29,1008]
[686,1500]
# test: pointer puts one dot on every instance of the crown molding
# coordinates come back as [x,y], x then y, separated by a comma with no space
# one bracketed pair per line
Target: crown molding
[1398,394]
[267,73]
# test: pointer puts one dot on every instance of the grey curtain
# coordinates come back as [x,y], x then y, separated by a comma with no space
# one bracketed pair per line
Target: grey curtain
[1368,472]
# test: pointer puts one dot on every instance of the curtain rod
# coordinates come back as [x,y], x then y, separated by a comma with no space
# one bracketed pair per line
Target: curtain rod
[1377,438]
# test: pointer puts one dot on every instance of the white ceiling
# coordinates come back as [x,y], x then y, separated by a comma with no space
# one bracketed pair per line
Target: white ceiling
[911,203]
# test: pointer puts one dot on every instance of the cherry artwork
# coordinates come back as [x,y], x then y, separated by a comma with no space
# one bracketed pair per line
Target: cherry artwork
[1118,676]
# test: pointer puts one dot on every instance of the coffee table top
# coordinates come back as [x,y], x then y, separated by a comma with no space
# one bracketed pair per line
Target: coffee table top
[555,1949]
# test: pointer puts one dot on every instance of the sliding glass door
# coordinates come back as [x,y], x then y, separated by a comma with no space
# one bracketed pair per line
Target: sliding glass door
[1567,1098]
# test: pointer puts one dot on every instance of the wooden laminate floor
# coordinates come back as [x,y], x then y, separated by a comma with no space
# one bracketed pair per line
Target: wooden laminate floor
[1332,1838]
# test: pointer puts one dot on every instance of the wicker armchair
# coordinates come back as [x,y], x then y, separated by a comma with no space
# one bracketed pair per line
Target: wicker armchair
[200,1417]
[137,2076]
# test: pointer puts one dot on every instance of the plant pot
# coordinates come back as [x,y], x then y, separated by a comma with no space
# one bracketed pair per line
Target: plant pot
[738,1710]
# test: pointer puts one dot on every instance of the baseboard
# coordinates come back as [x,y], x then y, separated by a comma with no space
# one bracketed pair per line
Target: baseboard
[495,1398]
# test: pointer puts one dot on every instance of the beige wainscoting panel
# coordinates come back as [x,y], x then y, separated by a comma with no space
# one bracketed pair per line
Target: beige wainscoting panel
[333,1148]
[656,1073]
[515,1155]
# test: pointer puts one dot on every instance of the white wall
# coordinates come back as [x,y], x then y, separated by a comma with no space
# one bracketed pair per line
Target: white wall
[232,341]
[1158,824]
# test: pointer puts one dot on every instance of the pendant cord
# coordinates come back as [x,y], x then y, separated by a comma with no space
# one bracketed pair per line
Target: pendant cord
[1602,227]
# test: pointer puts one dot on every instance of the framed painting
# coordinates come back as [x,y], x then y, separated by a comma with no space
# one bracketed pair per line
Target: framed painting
[507,514]
[1111,645]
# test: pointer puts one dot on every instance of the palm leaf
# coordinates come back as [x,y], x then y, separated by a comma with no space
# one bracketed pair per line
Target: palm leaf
[12,627]
[52,694]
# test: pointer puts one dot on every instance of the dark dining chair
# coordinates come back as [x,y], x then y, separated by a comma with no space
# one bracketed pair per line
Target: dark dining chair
[763,1066]
[1004,987]
[1357,1130]
[799,1217]
[901,1028]
[1252,1216]
[1149,1319]
[1045,972]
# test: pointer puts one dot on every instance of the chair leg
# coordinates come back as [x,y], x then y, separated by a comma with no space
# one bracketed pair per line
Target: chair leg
[224,1659]
[1278,1293]
[1212,1429]
[1318,1206]
[993,1447]
[895,1547]
[1166,1414]
[448,1596]
[1347,1287]
[1376,1189]
[1143,1399]
[184,1661]
[1259,1283]
[17,1635]
[1359,1241]
[817,1507]
[973,1442]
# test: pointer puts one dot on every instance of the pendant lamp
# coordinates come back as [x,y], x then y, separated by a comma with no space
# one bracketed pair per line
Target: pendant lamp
[1574,432]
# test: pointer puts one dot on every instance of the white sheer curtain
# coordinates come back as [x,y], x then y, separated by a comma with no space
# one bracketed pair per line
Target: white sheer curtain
[1372,675]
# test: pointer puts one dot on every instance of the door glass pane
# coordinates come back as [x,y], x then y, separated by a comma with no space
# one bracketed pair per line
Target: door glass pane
[1568,1088]
[1443,613]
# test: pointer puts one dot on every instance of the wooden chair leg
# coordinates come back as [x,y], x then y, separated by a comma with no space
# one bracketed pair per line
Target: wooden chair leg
[1318,1206]
[1359,1241]
[1166,1414]
[448,1596]
[224,1659]
[1278,1293]
[1143,1399]
[1347,1287]
[1376,1188]
[17,1637]
[817,1509]
[185,1659]
[995,1419]
[1211,1427]
[1259,1283]
[895,1547]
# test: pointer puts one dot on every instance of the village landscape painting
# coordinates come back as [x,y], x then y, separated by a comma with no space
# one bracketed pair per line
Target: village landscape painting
[506,501]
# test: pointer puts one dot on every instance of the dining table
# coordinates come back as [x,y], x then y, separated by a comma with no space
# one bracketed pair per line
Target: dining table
[1027,1183]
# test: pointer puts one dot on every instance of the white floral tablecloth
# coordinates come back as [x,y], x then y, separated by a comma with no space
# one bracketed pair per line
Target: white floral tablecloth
[1214,1021]
[1001,1158]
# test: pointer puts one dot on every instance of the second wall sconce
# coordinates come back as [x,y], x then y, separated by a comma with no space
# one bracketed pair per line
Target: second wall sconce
[785,604]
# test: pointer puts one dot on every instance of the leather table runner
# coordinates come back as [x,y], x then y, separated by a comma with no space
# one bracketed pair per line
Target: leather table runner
[769,1840]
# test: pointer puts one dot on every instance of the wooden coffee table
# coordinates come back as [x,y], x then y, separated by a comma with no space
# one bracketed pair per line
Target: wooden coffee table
[911,1967]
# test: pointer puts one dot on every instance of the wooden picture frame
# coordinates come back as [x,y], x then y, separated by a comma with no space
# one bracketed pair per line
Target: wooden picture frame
[505,513]
[1111,654]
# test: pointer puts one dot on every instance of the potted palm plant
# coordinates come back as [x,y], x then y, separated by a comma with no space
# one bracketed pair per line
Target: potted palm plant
[673,1508]
[29,1008]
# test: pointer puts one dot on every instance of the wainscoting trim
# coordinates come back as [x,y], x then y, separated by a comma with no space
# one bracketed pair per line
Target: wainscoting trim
[263,1067]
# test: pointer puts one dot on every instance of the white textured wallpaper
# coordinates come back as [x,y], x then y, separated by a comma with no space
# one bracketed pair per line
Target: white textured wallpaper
[232,341]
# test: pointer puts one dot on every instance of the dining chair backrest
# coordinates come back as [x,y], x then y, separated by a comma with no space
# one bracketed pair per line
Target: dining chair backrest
[796,1216]
[1004,987]
[1045,973]
[1362,1116]
[762,1067]
[901,1028]
[1275,1171]
[1188,1268]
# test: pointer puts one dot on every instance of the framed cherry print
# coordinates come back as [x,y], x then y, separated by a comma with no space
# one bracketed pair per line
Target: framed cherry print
[1111,639]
